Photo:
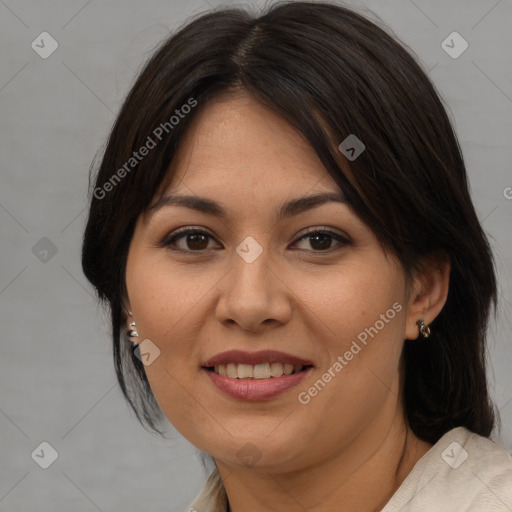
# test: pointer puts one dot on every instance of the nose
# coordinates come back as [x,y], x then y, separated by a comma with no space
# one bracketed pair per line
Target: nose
[253,295]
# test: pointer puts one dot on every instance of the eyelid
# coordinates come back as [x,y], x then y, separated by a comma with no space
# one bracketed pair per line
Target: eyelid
[342,238]
[324,229]
[183,231]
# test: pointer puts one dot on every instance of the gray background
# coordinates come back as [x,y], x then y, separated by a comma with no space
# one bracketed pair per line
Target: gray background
[57,378]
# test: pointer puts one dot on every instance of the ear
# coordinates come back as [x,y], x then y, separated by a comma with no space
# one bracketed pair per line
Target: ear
[427,292]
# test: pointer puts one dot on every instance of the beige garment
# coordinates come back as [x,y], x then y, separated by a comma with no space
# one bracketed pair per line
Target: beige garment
[462,472]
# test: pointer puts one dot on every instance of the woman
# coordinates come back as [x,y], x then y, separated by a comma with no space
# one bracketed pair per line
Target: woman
[281,225]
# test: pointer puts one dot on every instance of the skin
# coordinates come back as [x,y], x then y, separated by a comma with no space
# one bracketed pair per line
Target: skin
[349,448]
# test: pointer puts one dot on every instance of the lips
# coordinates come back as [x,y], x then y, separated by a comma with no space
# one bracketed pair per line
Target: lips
[258,371]
[254,376]
[254,358]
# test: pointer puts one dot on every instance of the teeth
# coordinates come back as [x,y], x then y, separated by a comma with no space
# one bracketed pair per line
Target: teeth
[245,371]
[276,370]
[262,371]
[256,371]
[288,369]
[231,370]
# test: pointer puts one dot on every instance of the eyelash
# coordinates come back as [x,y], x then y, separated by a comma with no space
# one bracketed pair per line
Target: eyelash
[169,240]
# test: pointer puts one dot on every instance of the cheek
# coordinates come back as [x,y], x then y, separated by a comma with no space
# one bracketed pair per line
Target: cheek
[360,311]
[350,300]
[168,302]
[164,299]
[162,293]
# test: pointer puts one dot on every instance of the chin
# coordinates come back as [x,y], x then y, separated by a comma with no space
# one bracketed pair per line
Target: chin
[259,450]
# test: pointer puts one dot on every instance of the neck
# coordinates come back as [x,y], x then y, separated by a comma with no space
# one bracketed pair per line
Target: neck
[363,476]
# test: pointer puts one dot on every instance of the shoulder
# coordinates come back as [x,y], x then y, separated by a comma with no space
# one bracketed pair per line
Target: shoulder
[212,497]
[462,472]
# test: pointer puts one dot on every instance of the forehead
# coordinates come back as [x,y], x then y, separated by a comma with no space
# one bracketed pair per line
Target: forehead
[237,140]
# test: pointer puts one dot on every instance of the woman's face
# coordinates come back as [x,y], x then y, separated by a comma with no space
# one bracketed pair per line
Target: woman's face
[255,281]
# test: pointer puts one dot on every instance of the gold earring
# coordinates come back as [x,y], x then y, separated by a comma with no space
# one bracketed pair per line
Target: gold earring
[423,327]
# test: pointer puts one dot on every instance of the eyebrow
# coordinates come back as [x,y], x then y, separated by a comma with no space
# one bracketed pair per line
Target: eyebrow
[288,209]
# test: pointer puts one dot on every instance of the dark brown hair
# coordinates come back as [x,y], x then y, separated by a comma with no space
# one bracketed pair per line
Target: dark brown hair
[330,72]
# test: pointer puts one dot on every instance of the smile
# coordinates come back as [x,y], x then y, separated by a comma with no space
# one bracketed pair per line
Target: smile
[255,376]
[256,371]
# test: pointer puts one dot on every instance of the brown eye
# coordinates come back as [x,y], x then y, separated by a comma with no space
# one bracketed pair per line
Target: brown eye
[192,240]
[196,240]
[321,240]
